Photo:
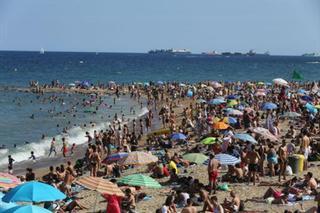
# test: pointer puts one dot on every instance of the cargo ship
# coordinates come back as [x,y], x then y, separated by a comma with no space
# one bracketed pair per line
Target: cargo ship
[170,52]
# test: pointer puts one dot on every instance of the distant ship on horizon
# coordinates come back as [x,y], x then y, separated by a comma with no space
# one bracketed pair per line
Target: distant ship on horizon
[42,51]
[311,55]
[170,52]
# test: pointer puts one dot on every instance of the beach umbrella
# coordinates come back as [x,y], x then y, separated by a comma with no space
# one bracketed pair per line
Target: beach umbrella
[232,103]
[230,120]
[189,93]
[216,101]
[72,85]
[260,94]
[311,108]
[260,83]
[146,84]
[160,82]
[85,84]
[209,140]
[139,158]
[220,125]
[115,157]
[269,106]
[291,114]
[201,101]
[178,136]
[3,205]
[216,84]
[302,92]
[182,85]
[231,97]
[226,159]
[307,98]
[264,133]
[317,106]
[234,112]
[8,181]
[27,209]
[197,158]
[100,185]
[140,180]
[245,137]
[280,81]
[33,191]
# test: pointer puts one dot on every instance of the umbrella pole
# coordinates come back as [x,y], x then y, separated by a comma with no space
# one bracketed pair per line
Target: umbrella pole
[95,202]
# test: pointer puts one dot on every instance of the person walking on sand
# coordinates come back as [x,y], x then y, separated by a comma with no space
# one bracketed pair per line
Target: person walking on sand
[10,164]
[94,159]
[253,158]
[283,155]
[53,147]
[213,173]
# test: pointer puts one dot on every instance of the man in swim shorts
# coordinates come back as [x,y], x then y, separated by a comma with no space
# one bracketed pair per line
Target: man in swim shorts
[213,173]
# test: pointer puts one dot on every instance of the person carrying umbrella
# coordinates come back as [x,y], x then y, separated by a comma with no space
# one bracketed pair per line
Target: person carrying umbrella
[213,173]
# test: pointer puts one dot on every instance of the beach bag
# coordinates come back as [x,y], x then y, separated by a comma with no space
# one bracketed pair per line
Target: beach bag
[288,170]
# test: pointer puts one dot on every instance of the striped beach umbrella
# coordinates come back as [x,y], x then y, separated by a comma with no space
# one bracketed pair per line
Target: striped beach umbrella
[100,185]
[8,181]
[140,180]
[226,159]
[139,158]
[115,157]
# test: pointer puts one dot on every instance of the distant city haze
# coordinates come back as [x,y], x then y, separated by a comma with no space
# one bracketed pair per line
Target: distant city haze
[283,27]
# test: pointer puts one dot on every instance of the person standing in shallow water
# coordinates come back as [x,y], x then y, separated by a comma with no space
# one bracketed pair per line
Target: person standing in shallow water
[64,147]
[10,164]
[53,147]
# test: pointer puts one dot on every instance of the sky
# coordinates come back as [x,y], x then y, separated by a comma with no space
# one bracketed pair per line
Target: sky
[283,27]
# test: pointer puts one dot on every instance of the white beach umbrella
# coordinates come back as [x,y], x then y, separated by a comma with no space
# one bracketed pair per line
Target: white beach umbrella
[280,81]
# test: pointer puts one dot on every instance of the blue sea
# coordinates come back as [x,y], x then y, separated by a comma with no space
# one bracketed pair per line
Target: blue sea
[25,116]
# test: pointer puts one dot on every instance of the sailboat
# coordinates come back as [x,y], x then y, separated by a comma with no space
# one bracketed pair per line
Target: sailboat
[42,51]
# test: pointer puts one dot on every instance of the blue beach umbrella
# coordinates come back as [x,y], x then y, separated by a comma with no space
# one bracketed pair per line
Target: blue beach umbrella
[311,108]
[269,106]
[201,101]
[226,159]
[178,136]
[189,93]
[85,84]
[160,82]
[232,120]
[231,97]
[146,84]
[3,205]
[302,91]
[216,101]
[307,98]
[33,191]
[27,209]
[245,137]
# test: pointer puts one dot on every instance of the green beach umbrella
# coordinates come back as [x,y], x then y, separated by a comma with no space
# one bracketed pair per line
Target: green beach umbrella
[139,180]
[209,141]
[296,75]
[197,158]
